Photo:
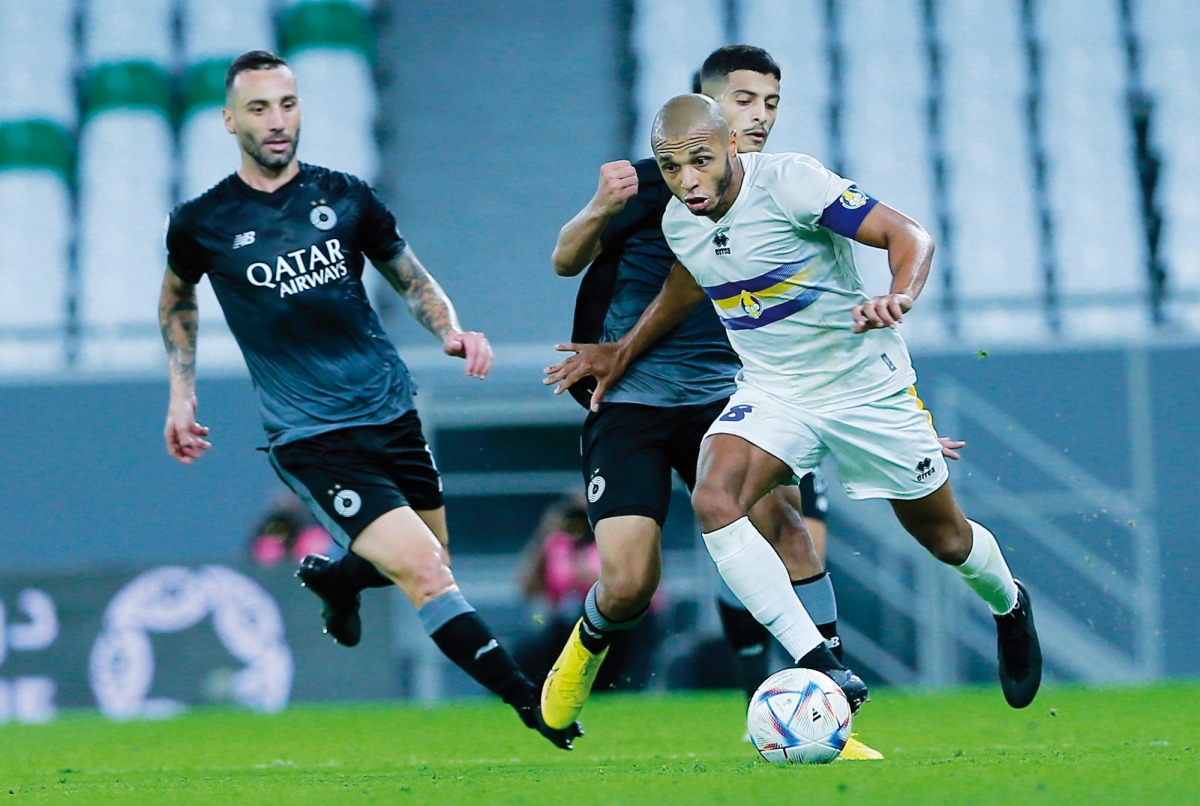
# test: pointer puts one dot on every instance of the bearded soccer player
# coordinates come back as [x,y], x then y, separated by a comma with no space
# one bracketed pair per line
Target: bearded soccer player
[766,237]
[284,245]
[654,419]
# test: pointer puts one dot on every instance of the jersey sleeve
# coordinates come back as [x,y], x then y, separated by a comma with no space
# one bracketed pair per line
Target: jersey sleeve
[805,189]
[644,210]
[377,233]
[184,255]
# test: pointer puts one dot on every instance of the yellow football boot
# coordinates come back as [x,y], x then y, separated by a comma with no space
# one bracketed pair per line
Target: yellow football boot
[569,682]
[857,751]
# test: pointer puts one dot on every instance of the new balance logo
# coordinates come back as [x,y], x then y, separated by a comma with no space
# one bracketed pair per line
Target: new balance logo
[924,469]
[245,239]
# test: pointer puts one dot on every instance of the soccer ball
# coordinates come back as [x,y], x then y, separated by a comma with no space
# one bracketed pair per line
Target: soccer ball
[799,716]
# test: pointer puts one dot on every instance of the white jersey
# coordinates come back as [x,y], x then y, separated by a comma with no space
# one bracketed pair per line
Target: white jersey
[783,286]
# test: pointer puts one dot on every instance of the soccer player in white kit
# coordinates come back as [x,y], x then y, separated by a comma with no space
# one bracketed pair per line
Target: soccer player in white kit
[765,238]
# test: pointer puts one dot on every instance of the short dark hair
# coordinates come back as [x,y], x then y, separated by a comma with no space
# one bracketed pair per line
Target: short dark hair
[253,60]
[723,61]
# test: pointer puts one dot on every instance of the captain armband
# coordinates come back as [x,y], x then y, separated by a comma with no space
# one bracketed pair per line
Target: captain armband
[847,212]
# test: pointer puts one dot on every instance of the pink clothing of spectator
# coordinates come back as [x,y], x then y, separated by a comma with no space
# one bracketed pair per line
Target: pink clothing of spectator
[571,567]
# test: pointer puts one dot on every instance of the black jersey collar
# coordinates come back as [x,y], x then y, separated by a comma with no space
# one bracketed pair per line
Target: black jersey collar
[278,197]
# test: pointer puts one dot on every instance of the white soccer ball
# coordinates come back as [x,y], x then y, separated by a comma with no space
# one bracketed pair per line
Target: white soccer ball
[799,716]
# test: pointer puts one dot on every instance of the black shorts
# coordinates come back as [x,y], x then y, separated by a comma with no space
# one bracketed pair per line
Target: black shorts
[351,476]
[630,449]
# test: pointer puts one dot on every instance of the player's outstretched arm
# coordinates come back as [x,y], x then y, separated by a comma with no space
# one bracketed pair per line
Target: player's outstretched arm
[178,319]
[430,306]
[679,295]
[579,240]
[910,253]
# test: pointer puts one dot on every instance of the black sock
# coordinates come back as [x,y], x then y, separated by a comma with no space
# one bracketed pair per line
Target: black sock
[594,639]
[751,644]
[832,639]
[467,641]
[355,573]
[819,658]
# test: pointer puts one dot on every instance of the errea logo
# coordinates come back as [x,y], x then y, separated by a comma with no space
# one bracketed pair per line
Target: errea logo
[924,469]
[245,239]
[721,244]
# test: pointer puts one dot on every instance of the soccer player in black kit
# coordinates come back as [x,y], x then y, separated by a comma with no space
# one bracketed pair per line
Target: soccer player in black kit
[284,245]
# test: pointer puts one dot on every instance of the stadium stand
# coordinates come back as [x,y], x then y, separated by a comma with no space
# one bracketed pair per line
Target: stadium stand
[1166,33]
[994,254]
[37,155]
[1099,247]
[126,151]
[329,45]
[668,48]
[794,34]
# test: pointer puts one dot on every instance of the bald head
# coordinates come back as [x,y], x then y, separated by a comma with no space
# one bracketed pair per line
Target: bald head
[696,153]
[686,116]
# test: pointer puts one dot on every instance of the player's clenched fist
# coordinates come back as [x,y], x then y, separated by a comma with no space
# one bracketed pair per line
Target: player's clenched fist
[618,184]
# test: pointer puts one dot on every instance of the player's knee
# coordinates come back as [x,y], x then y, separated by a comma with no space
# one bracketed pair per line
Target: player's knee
[949,543]
[715,506]
[626,595]
[421,578]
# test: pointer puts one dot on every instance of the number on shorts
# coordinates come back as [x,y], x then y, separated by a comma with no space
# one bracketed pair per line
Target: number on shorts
[736,413]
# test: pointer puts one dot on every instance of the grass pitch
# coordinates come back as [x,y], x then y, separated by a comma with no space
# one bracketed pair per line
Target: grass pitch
[1073,745]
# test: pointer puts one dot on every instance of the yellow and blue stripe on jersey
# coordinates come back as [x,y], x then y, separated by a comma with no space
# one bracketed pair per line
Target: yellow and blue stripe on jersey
[757,301]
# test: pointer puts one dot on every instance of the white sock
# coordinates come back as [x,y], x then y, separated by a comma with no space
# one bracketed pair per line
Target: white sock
[756,575]
[986,572]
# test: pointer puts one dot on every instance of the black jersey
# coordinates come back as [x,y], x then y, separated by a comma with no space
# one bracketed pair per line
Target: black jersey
[692,364]
[287,269]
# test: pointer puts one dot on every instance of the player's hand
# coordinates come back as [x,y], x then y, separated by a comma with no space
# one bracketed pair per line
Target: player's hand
[185,437]
[950,447]
[618,184]
[474,347]
[605,362]
[880,312]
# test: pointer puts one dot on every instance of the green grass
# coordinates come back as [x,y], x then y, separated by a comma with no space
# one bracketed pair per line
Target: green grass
[1073,745]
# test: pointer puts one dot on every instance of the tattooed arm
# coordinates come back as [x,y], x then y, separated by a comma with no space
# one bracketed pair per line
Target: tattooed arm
[177,318]
[430,306]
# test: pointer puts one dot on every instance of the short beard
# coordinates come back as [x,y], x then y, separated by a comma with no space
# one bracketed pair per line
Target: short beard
[726,181]
[273,162]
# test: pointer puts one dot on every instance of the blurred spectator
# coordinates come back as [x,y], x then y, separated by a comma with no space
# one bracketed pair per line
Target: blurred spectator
[287,533]
[558,566]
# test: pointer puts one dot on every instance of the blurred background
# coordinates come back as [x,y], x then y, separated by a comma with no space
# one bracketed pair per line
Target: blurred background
[1048,145]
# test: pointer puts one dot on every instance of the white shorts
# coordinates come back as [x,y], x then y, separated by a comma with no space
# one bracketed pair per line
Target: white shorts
[884,449]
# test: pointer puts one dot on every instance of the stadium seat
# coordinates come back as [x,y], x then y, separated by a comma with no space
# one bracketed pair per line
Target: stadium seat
[998,274]
[37,145]
[669,46]
[793,32]
[1170,72]
[330,46]
[1092,186]
[126,154]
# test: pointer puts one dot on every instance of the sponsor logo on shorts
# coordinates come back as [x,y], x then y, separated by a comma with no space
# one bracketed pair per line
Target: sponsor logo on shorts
[596,488]
[323,217]
[924,469]
[884,357]
[347,503]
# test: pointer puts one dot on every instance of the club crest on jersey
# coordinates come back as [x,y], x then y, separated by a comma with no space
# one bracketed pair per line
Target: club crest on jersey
[721,243]
[751,305]
[852,198]
[323,217]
